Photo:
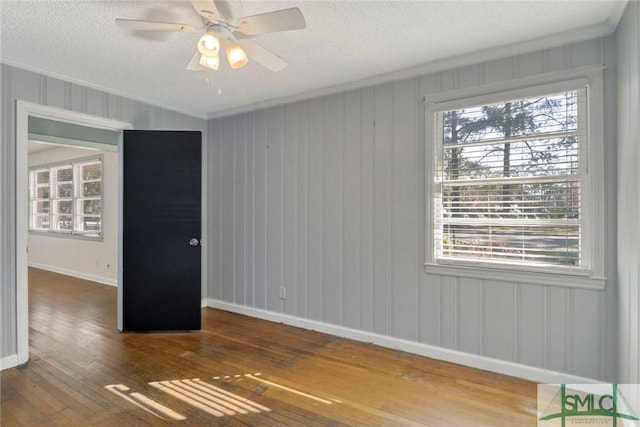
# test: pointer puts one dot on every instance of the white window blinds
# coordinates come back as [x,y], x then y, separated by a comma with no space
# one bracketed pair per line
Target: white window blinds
[88,197]
[67,197]
[508,181]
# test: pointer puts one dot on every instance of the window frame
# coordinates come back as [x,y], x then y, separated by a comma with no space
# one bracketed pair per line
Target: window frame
[591,152]
[75,199]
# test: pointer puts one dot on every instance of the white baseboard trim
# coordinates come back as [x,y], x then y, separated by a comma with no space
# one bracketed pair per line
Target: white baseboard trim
[8,362]
[78,274]
[467,359]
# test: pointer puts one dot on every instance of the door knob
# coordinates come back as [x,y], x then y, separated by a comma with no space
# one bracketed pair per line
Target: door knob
[193,242]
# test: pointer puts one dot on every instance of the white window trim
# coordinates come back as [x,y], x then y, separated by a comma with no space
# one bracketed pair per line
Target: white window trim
[71,233]
[594,204]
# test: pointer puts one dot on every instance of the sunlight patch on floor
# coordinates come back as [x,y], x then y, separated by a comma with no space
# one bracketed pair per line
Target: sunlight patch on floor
[206,397]
[144,402]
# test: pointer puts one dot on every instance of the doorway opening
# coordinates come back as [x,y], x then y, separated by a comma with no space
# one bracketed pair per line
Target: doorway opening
[69,119]
[73,200]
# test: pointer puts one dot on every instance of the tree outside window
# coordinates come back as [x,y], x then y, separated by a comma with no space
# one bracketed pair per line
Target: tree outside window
[509,181]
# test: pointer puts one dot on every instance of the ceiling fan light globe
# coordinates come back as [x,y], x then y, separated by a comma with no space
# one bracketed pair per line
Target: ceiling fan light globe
[236,56]
[209,45]
[212,63]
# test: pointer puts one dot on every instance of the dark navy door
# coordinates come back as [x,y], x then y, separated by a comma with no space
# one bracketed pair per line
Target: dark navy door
[161,230]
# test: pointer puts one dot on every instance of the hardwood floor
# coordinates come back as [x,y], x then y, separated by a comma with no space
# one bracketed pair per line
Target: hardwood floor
[251,372]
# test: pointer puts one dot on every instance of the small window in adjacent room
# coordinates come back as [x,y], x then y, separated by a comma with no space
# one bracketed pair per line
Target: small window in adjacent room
[511,189]
[66,198]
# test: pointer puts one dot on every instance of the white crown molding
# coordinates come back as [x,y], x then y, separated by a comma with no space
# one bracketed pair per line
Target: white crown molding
[603,29]
[101,88]
[616,14]
[472,360]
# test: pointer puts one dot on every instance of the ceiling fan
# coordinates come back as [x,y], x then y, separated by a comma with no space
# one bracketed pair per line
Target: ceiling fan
[223,31]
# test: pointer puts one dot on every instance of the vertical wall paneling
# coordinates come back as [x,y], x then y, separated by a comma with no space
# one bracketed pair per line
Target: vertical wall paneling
[95,102]
[556,58]
[214,210]
[557,329]
[586,331]
[8,337]
[529,64]
[515,331]
[501,70]
[634,133]
[113,107]
[404,102]
[260,209]
[634,17]
[227,183]
[430,314]
[25,86]
[274,173]
[78,96]
[351,229]
[448,315]
[289,210]
[628,110]
[470,325]
[334,211]
[468,76]
[419,212]
[56,94]
[429,287]
[366,213]
[499,320]
[382,160]
[570,322]
[332,200]
[250,210]
[315,173]
[606,53]
[582,54]
[626,177]
[239,212]
[43,90]
[531,325]
[302,226]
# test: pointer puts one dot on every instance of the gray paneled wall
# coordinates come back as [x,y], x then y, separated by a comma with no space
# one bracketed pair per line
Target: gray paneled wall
[326,197]
[18,84]
[628,38]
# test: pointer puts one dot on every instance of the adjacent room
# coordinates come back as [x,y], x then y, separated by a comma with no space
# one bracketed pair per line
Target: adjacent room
[223,212]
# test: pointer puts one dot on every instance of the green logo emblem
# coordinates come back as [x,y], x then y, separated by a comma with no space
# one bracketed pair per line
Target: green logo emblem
[571,403]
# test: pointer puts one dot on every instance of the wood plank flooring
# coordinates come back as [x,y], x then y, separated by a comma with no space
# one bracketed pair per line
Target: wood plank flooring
[251,372]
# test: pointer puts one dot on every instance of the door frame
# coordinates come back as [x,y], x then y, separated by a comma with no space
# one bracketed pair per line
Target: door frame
[23,111]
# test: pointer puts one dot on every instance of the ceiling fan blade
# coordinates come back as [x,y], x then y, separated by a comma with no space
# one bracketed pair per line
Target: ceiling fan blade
[262,56]
[207,9]
[194,64]
[132,24]
[271,22]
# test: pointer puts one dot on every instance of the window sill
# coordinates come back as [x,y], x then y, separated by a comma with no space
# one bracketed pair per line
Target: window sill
[93,238]
[529,277]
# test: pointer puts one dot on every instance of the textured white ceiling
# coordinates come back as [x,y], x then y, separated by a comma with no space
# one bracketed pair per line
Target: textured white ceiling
[344,42]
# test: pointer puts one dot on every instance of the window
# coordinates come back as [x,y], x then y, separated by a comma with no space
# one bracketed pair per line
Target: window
[512,186]
[66,198]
